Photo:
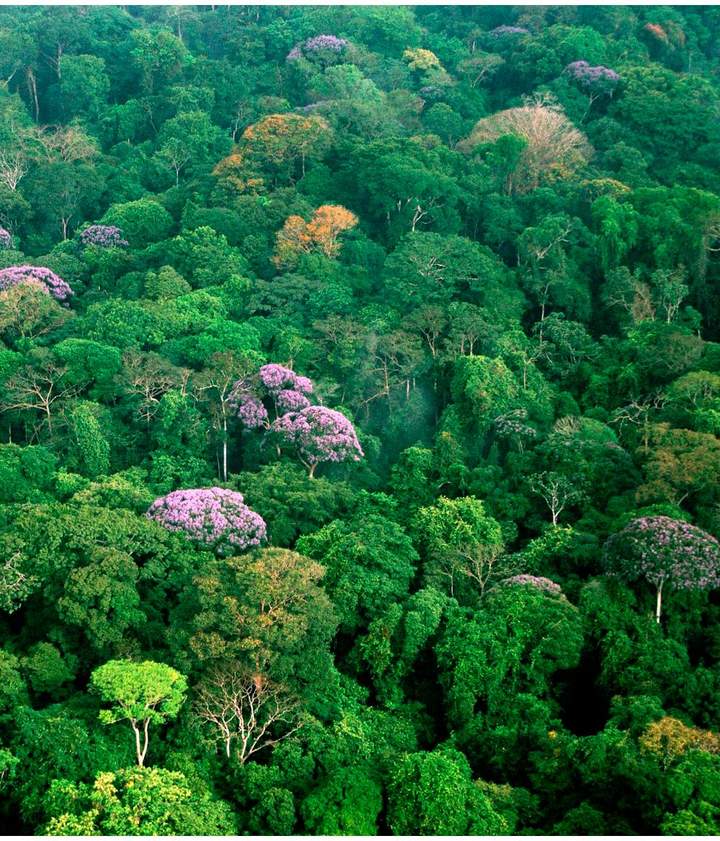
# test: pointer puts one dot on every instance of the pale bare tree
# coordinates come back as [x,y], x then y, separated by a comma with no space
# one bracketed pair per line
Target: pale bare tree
[66,143]
[13,167]
[638,413]
[554,147]
[37,388]
[556,490]
[246,710]
[149,376]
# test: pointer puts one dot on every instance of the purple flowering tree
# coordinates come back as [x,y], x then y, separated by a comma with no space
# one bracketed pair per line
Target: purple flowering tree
[39,275]
[595,81]
[216,518]
[319,434]
[275,385]
[6,240]
[103,236]
[323,47]
[546,585]
[663,552]
[596,78]
[276,399]
[501,31]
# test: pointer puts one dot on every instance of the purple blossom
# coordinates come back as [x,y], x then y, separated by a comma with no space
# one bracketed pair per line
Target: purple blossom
[662,550]
[304,384]
[289,400]
[249,409]
[537,581]
[104,236]
[6,240]
[319,435]
[499,31]
[213,517]
[276,377]
[597,77]
[325,42]
[51,283]
[318,45]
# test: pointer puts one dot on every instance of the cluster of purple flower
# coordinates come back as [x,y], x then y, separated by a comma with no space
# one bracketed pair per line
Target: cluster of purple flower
[661,549]
[213,517]
[318,45]
[317,433]
[592,76]
[513,424]
[281,386]
[104,236]
[537,581]
[499,31]
[38,275]
[6,240]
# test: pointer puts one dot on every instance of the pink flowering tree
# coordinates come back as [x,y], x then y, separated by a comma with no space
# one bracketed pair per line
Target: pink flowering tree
[215,518]
[103,236]
[324,48]
[40,276]
[274,390]
[539,582]
[277,400]
[664,552]
[319,434]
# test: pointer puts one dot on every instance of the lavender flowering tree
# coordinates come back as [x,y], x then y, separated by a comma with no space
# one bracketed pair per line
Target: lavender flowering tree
[664,551]
[319,435]
[213,517]
[323,47]
[39,275]
[6,240]
[281,388]
[277,399]
[103,236]
[596,80]
[500,31]
[546,585]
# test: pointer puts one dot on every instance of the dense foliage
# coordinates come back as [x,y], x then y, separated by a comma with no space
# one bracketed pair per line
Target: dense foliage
[359,420]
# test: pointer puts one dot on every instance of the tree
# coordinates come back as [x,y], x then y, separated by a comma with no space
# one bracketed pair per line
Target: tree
[319,435]
[554,148]
[142,221]
[40,277]
[433,794]
[136,801]
[280,140]
[212,517]
[190,139]
[245,710]
[321,234]
[369,563]
[557,491]
[663,551]
[141,693]
[268,612]
[461,541]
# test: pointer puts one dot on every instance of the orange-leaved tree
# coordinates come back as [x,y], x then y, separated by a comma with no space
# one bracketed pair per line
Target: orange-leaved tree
[321,234]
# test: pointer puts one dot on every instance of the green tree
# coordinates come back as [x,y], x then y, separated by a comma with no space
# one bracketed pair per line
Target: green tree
[141,693]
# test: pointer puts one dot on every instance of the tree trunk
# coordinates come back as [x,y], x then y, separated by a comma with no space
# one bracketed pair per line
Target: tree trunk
[658,603]
[225,450]
[311,473]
